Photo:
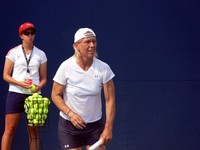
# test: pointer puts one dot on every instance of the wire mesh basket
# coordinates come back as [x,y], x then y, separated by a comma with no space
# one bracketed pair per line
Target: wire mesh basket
[36,109]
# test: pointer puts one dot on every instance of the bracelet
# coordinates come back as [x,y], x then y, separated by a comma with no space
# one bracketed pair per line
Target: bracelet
[71,114]
[68,112]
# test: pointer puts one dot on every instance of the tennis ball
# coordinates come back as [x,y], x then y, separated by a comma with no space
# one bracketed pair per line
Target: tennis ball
[35,94]
[33,88]
[40,110]
[45,110]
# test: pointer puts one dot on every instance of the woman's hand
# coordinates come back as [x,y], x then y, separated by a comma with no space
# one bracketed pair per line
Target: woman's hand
[24,84]
[35,88]
[76,120]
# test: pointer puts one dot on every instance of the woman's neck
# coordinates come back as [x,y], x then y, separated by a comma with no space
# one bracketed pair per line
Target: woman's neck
[84,63]
[27,47]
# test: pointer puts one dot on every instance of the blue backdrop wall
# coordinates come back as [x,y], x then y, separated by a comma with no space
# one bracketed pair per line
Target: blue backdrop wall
[151,45]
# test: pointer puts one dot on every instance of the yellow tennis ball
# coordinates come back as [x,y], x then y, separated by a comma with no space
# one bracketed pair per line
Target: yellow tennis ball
[33,88]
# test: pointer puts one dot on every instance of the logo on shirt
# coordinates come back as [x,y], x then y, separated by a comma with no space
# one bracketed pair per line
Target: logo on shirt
[66,146]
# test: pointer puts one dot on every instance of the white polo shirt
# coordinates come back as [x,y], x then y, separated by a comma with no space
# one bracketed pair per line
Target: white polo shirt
[82,91]
[16,55]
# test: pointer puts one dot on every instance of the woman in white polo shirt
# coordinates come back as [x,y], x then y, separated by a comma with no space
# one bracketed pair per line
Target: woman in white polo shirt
[24,66]
[76,92]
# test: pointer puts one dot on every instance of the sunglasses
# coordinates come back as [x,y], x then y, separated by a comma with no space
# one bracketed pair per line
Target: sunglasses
[29,33]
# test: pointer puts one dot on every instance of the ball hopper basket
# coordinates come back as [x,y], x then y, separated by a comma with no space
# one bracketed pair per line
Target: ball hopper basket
[36,109]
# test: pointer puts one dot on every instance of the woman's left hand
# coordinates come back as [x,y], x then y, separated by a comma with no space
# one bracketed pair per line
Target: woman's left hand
[35,88]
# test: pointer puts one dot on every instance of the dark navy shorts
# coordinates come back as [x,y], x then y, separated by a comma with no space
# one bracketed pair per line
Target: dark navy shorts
[71,137]
[15,102]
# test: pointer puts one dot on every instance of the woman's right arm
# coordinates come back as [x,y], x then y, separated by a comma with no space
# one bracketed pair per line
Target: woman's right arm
[8,67]
[56,96]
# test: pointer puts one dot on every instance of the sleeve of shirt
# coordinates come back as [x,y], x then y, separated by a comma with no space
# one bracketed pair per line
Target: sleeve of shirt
[108,74]
[61,75]
[43,58]
[10,55]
